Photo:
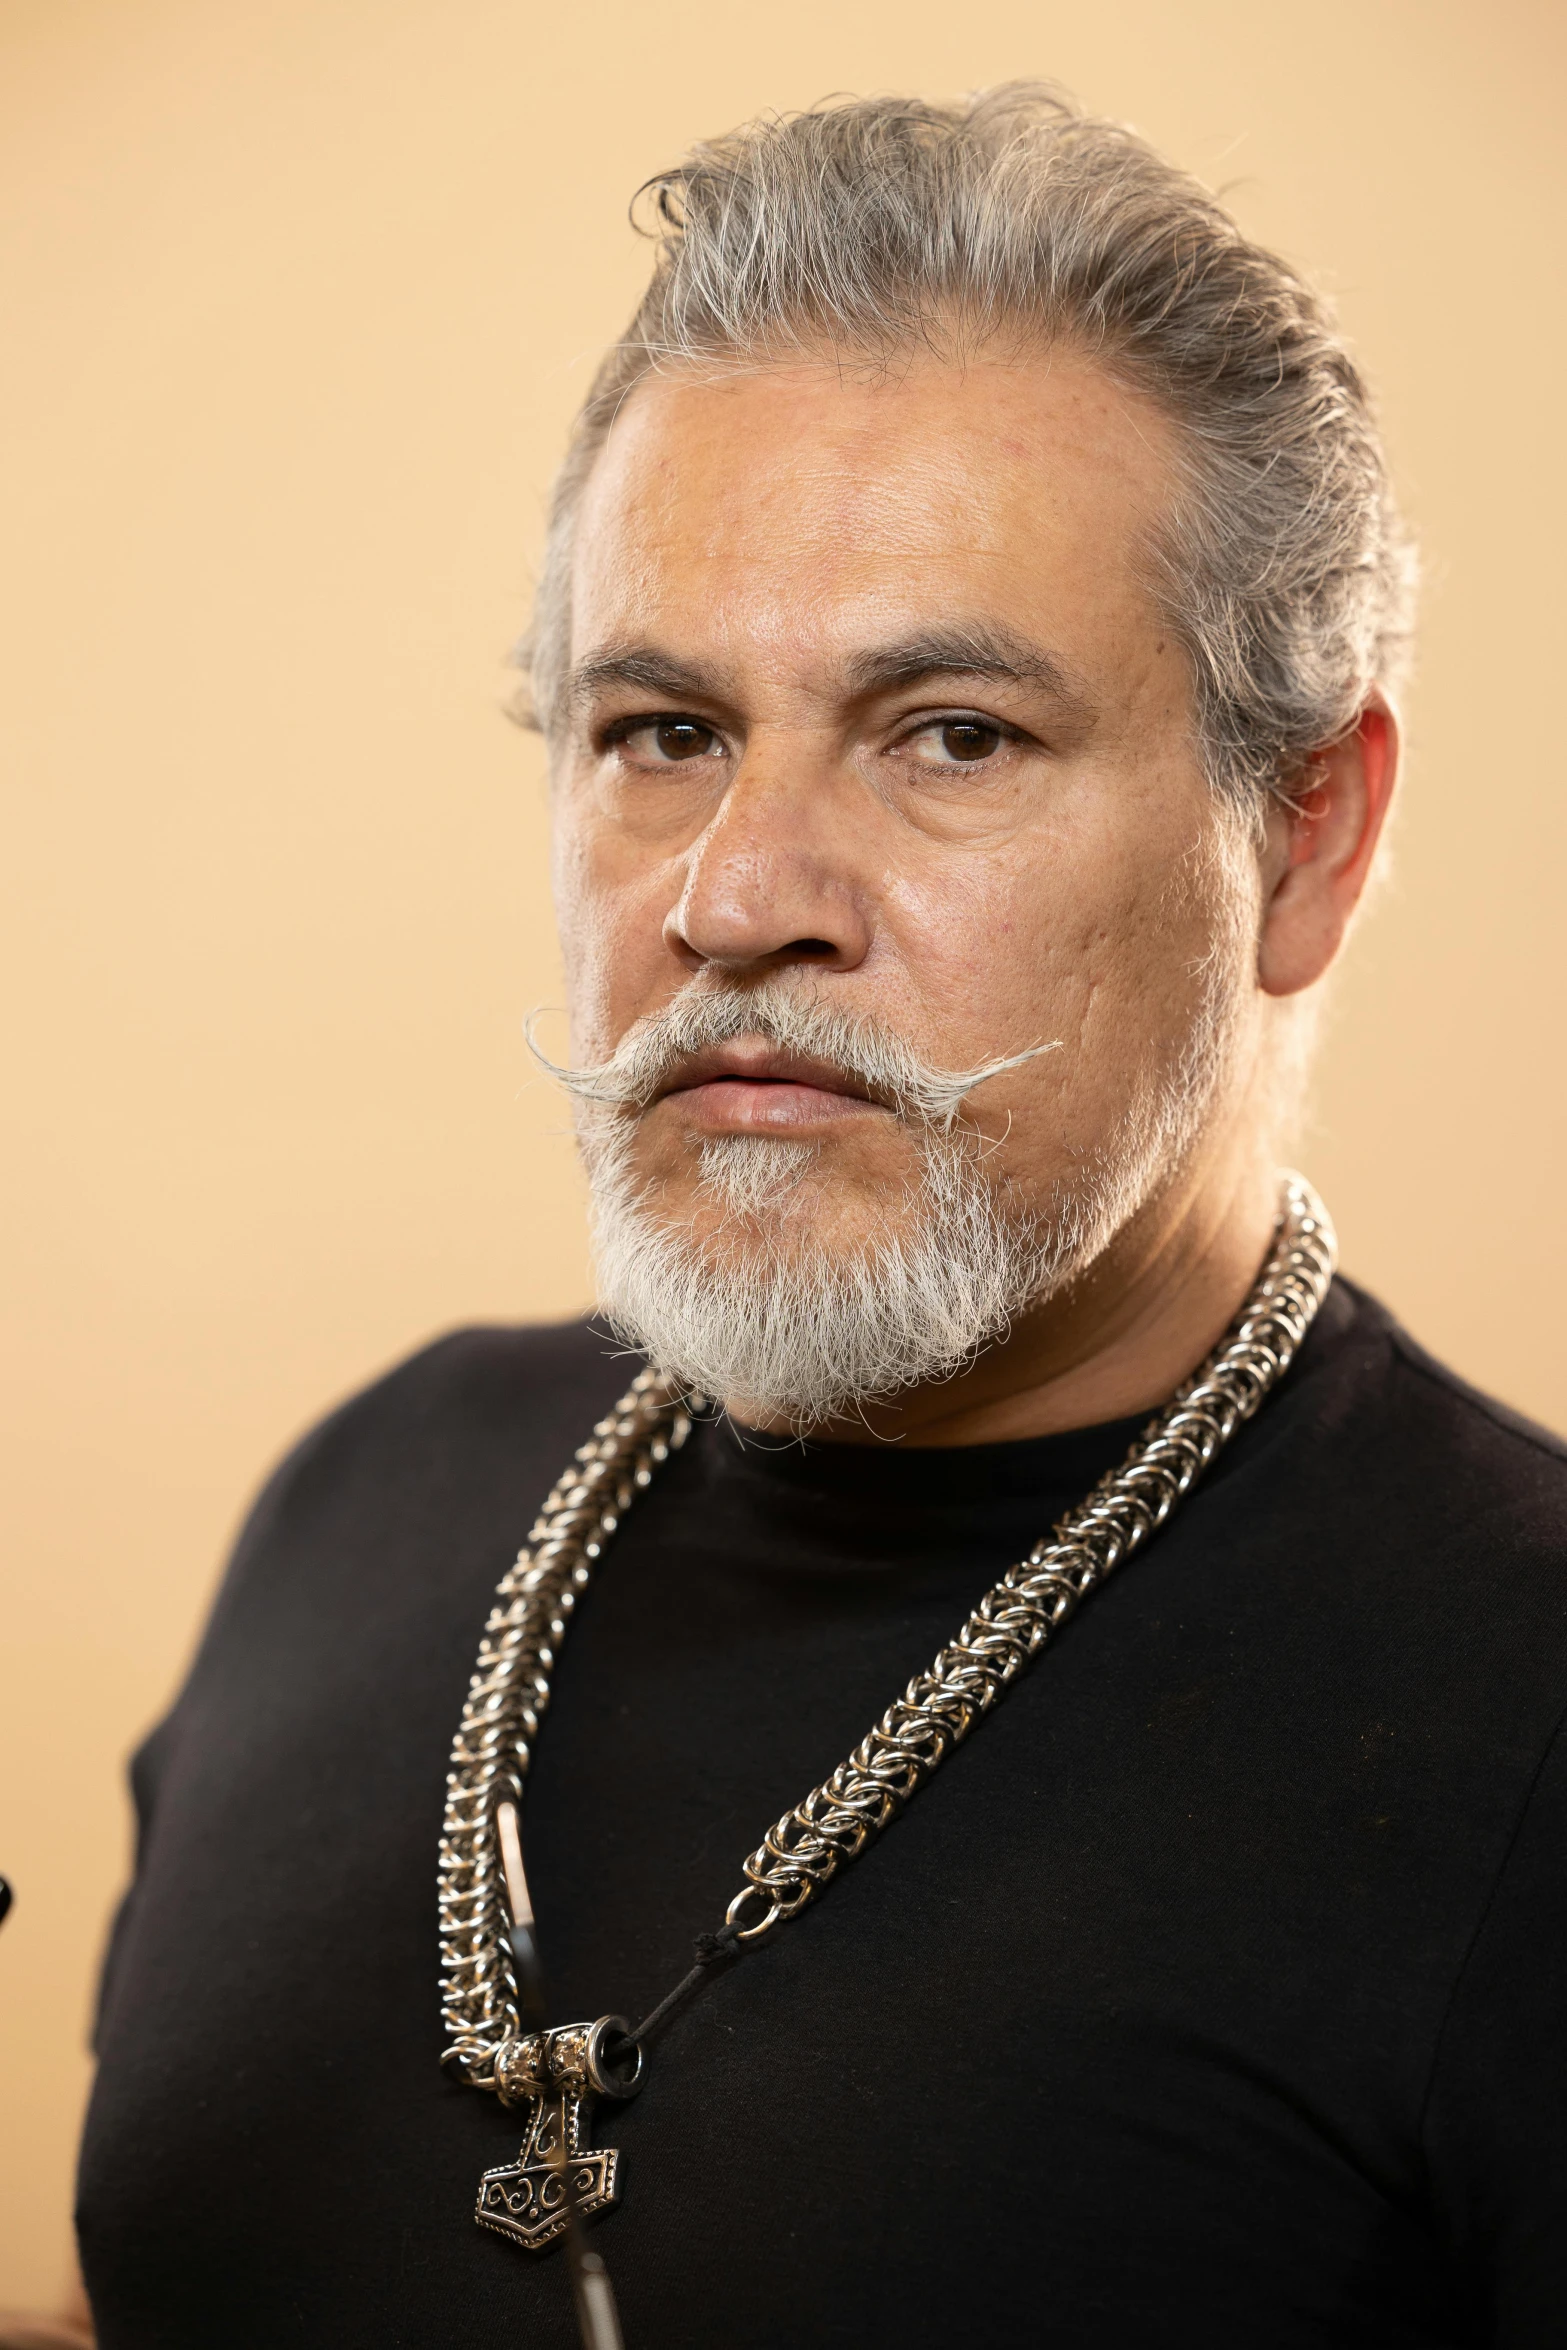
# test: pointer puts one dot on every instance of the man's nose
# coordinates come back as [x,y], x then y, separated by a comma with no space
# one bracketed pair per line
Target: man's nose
[775,877]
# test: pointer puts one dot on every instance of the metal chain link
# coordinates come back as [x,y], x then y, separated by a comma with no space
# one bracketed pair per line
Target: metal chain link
[835,1822]
[508,1694]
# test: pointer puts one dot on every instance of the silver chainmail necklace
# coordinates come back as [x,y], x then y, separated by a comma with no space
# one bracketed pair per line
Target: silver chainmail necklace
[489,1996]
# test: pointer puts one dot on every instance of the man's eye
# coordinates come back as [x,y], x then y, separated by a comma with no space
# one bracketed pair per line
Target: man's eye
[673,739]
[957,741]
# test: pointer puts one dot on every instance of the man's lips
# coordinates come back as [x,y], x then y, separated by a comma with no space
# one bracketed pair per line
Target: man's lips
[751,1087]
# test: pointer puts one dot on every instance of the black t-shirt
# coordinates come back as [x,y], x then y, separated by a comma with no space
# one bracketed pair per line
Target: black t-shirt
[1214,1993]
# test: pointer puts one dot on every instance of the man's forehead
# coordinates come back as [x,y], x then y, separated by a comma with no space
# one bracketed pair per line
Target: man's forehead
[906,454]
[787,505]
[844,536]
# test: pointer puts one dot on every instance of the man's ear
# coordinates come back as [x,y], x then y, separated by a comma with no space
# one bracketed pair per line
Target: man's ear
[1319,851]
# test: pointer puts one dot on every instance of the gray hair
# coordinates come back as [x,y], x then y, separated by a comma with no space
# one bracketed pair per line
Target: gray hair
[875,226]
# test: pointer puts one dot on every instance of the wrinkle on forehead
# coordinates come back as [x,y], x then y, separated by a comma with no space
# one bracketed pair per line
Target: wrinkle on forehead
[753,516]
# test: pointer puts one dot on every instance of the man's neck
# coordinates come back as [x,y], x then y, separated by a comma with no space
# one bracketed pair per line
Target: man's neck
[1116,1341]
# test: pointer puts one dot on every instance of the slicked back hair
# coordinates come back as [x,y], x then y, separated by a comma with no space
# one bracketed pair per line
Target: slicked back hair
[874,228]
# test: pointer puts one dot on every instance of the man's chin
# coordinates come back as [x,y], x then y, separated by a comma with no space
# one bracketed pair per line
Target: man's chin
[812,1226]
[772,1200]
[786,1285]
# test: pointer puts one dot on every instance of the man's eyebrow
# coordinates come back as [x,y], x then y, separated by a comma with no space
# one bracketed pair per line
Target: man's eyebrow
[966,649]
[970,649]
[644,667]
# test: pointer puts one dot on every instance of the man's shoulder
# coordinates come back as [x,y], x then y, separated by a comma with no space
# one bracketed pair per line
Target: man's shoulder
[1481,1426]
[486,1368]
[401,1506]
[486,1402]
[1426,1434]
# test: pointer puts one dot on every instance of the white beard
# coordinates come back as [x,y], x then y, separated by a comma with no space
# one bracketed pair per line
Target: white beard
[776,1325]
[754,1310]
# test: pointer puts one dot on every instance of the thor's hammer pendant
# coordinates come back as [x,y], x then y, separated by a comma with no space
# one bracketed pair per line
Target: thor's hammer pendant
[558,2177]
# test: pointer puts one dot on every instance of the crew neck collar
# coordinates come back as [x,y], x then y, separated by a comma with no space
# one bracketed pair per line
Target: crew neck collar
[909,1473]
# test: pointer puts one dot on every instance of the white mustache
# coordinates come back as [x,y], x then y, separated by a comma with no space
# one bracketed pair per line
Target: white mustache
[856,1045]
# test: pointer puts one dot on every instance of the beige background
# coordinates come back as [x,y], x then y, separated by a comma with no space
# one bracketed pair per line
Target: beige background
[298,295]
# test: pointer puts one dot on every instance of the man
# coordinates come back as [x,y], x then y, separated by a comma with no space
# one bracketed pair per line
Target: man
[965,648]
